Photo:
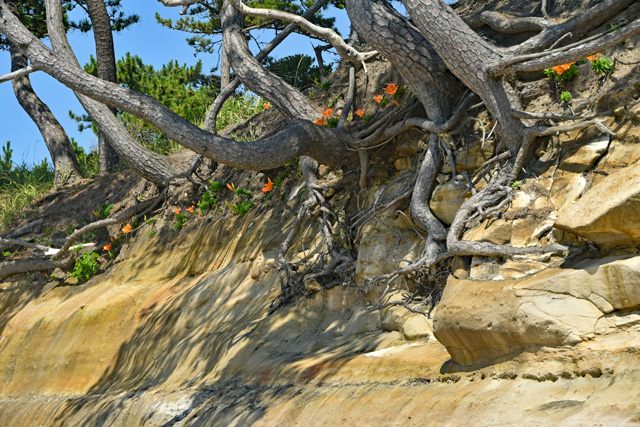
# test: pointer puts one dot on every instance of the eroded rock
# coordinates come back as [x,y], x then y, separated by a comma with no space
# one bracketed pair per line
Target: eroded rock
[482,320]
[609,213]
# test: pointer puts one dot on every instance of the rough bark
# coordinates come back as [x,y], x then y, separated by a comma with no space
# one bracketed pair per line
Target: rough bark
[253,75]
[344,50]
[227,91]
[148,164]
[225,71]
[577,26]
[106,59]
[402,44]
[468,57]
[56,139]
[327,146]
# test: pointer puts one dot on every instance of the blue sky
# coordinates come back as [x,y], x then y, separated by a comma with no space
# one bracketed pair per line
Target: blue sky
[155,44]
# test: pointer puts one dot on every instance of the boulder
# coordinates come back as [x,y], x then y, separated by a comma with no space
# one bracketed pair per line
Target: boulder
[446,200]
[609,213]
[478,321]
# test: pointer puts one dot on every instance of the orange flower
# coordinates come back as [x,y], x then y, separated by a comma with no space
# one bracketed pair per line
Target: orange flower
[95,213]
[339,112]
[359,112]
[378,98]
[112,239]
[396,102]
[320,121]
[191,208]
[391,88]
[107,247]
[561,68]
[126,228]
[177,211]
[230,186]
[266,105]
[592,57]
[268,186]
[328,112]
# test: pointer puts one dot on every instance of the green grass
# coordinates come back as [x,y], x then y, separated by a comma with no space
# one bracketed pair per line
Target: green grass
[237,109]
[20,185]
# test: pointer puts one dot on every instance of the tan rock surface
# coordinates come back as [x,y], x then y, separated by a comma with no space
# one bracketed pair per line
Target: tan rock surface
[148,346]
[446,200]
[481,320]
[609,213]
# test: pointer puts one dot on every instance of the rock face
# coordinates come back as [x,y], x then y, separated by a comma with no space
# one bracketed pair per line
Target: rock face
[609,213]
[481,320]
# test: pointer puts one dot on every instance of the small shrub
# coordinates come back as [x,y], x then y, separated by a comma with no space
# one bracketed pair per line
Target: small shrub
[565,96]
[181,220]
[242,193]
[568,74]
[86,266]
[516,185]
[240,207]
[216,187]
[325,85]
[602,65]
[103,211]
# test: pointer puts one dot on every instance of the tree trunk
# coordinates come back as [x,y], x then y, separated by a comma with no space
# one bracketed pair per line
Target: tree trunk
[468,57]
[106,59]
[282,95]
[225,70]
[147,163]
[62,154]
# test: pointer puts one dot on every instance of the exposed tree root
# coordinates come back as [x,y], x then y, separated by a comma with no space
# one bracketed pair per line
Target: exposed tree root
[330,261]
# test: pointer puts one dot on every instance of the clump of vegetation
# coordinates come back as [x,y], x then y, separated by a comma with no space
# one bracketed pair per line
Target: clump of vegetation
[20,185]
[240,207]
[602,65]
[562,72]
[103,210]
[86,266]
[565,96]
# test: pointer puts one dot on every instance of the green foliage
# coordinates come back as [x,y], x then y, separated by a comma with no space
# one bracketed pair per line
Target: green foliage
[32,14]
[333,122]
[298,70]
[86,266]
[20,185]
[565,96]
[103,210]
[400,92]
[242,193]
[217,187]
[88,162]
[70,230]
[182,88]
[516,185]
[202,21]
[181,220]
[237,109]
[6,161]
[602,65]
[119,21]
[568,74]
[207,202]
[240,207]
[325,85]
